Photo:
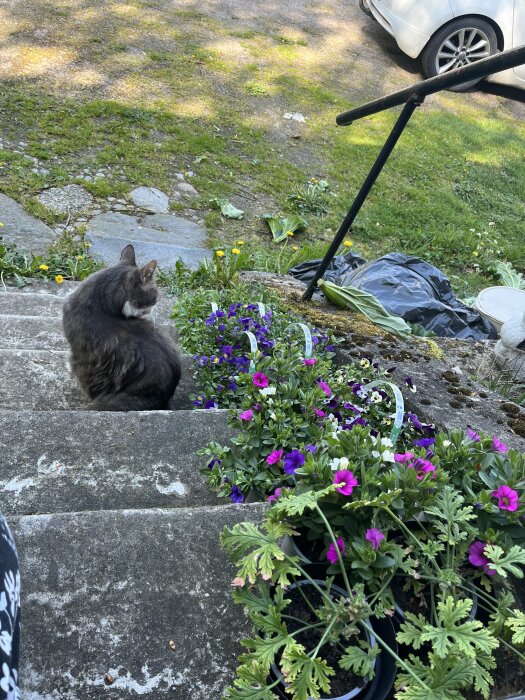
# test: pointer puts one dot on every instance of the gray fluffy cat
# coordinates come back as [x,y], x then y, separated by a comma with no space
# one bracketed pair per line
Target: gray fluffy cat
[121,360]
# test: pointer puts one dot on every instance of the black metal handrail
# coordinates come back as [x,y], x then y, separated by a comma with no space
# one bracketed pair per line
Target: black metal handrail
[412,97]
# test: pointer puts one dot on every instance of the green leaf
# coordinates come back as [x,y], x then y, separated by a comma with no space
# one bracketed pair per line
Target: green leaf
[444,677]
[250,684]
[482,678]
[280,227]
[227,209]
[366,304]
[296,504]
[359,660]
[305,676]
[504,563]
[509,276]
[263,650]
[517,625]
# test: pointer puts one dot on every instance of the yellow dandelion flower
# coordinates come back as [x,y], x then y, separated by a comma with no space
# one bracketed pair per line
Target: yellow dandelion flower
[80,257]
[1,224]
[475,253]
[348,244]
[240,242]
[290,233]
[43,267]
[295,247]
[59,279]
[87,245]
[235,251]
[219,253]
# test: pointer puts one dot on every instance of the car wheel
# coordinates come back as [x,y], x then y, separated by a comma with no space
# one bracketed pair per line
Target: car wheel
[363,4]
[463,41]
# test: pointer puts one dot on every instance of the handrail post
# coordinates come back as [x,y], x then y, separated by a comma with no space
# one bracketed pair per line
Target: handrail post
[412,103]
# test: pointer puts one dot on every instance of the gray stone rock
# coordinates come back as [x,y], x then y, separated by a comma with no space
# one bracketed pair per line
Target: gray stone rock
[187,190]
[142,595]
[151,199]
[28,234]
[124,460]
[71,199]
[108,250]
[41,380]
[30,304]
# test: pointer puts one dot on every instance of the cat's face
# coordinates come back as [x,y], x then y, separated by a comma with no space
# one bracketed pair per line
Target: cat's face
[140,286]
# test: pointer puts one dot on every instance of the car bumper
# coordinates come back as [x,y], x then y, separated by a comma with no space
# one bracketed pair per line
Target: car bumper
[409,40]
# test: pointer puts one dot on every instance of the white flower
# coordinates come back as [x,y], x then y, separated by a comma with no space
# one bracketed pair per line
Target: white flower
[334,464]
[387,442]
[375,454]
[343,463]
[273,416]
[376,397]
[268,391]
[446,443]
[388,456]
[365,363]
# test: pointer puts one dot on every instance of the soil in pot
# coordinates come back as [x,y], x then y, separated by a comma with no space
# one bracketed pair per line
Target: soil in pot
[345,685]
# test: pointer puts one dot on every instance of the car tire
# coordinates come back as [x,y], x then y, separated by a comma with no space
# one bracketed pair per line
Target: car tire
[364,6]
[451,47]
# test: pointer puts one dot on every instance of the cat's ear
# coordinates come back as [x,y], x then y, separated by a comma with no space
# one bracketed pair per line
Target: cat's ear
[146,272]
[128,255]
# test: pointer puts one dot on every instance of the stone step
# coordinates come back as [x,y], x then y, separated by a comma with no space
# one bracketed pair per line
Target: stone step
[42,332]
[141,596]
[108,250]
[62,461]
[27,303]
[41,380]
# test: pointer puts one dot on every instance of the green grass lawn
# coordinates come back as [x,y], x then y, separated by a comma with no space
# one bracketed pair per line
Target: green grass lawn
[147,91]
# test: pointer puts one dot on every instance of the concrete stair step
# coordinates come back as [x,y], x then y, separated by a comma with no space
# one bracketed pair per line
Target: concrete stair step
[42,332]
[108,250]
[67,461]
[141,595]
[41,303]
[41,380]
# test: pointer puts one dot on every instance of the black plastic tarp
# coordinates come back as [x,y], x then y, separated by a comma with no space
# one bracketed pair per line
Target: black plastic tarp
[408,287]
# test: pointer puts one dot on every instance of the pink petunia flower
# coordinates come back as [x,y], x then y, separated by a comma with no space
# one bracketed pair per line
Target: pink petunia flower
[319,413]
[423,467]
[331,555]
[325,388]
[246,415]
[472,435]
[476,556]
[507,498]
[403,458]
[374,536]
[346,480]
[274,457]
[309,361]
[498,446]
[275,495]
[260,380]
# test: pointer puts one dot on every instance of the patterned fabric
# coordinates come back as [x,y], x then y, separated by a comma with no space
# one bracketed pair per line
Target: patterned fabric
[9,614]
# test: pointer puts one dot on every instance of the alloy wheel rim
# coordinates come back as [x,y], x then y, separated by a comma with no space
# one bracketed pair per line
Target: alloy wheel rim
[460,48]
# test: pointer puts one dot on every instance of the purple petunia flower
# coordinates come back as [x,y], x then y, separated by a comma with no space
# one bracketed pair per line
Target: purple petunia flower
[309,361]
[331,555]
[274,457]
[346,480]
[275,495]
[260,380]
[319,413]
[476,556]
[246,415]
[236,495]
[424,442]
[418,425]
[403,458]
[210,403]
[311,448]
[374,536]
[507,498]
[423,467]
[325,388]
[498,446]
[213,462]
[472,435]
[293,461]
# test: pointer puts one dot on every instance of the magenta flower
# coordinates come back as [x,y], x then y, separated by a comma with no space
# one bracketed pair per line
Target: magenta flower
[309,361]
[260,380]
[274,457]
[404,458]
[319,413]
[346,480]
[472,435]
[476,556]
[275,495]
[325,388]
[423,467]
[331,555]
[374,536]
[498,446]
[293,461]
[246,415]
[507,498]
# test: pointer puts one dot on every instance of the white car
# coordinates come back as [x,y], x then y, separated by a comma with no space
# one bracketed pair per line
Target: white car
[446,34]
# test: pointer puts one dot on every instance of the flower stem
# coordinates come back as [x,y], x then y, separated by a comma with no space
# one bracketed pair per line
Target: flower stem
[325,635]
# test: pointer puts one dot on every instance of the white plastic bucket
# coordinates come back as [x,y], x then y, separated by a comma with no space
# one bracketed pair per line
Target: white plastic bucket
[499,304]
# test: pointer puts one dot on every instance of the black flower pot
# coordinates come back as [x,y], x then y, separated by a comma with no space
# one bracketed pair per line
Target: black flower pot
[399,613]
[379,688]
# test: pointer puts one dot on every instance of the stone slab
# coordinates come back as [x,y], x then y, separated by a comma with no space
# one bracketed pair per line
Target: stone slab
[67,461]
[41,380]
[71,199]
[42,332]
[150,198]
[141,595]
[108,250]
[25,302]
[27,233]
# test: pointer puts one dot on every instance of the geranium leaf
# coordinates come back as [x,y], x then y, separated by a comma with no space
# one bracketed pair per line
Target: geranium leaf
[504,563]
[517,625]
